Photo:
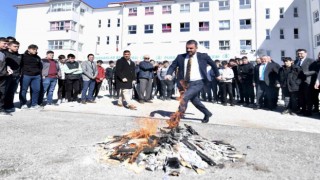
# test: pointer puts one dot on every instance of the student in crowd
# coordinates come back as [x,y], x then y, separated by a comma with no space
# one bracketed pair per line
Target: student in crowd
[245,77]
[166,84]
[62,80]
[145,79]
[110,75]
[89,74]
[227,75]
[50,74]
[13,61]
[73,73]
[4,72]
[31,69]
[290,80]
[99,79]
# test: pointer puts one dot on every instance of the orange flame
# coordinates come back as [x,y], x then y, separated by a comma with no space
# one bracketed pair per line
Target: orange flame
[148,128]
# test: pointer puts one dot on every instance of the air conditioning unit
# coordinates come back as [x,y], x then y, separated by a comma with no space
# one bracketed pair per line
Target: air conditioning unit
[244,51]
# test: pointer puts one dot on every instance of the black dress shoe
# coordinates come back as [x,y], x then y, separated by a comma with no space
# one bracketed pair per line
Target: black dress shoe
[206,118]
[307,114]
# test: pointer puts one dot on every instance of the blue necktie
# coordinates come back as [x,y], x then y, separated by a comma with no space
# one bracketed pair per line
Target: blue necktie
[262,73]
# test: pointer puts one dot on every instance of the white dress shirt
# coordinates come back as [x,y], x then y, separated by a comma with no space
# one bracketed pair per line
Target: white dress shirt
[195,74]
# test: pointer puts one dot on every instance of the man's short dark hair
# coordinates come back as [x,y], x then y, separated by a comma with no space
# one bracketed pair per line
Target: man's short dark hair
[61,57]
[302,50]
[126,51]
[3,39]
[244,58]
[111,62]
[13,42]
[100,61]
[50,52]
[10,38]
[165,61]
[32,46]
[232,60]
[71,56]
[287,59]
[217,61]
[223,63]
[90,55]
[192,42]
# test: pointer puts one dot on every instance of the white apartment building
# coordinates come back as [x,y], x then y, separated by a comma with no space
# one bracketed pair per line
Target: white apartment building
[315,25]
[226,28]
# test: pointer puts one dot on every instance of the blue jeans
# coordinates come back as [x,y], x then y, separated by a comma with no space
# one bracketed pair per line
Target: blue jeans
[88,84]
[48,86]
[34,83]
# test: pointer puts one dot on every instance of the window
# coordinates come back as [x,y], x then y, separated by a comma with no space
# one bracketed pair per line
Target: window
[283,53]
[296,33]
[268,52]
[117,39]
[317,38]
[108,40]
[245,45]
[268,36]
[132,29]
[224,5]
[61,44]
[148,28]
[281,34]
[166,9]
[184,27]
[63,6]
[224,45]
[281,10]
[295,12]
[98,40]
[315,16]
[204,26]
[203,6]
[109,22]
[267,13]
[245,23]
[132,11]
[166,27]
[62,25]
[82,11]
[81,27]
[224,25]
[184,8]
[118,22]
[244,4]
[80,45]
[149,10]
[206,44]
[99,23]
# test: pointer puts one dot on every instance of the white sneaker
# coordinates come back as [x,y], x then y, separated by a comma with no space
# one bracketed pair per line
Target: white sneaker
[34,107]
[58,102]
[63,100]
[24,107]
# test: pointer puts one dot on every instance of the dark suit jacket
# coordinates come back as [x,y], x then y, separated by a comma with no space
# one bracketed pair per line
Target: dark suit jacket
[271,76]
[124,70]
[306,69]
[203,60]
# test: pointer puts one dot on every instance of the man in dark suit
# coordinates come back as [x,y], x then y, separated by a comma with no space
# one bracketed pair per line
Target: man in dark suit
[125,75]
[191,76]
[266,80]
[305,91]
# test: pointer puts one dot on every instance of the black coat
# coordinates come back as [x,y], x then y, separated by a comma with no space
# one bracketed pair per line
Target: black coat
[124,70]
[31,64]
[307,69]
[14,61]
[290,78]
[245,72]
[271,77]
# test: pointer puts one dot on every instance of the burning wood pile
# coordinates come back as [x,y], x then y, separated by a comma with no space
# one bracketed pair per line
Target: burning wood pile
[171,150]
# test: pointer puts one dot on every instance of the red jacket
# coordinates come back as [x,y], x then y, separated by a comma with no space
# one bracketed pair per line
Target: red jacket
[101,74]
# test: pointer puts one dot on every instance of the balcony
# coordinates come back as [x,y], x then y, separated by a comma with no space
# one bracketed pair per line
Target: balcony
[132,13]
[221,8]
[203,28]
[245,27]
[166,30]
[245,6]
[166,11]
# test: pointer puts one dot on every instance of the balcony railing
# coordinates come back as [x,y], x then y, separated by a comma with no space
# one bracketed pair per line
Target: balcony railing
[203,28]
[132,13]
[184,29]
[166,11]
[224,7]
[166,30]
[245,6]
[149,13]
[245,26]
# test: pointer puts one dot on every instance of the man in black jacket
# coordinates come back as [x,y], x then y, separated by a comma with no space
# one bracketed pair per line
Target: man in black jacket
[13,60]
[4,72]
[305,101]
[290,80]
[145,79]
[246,81]
[110,72]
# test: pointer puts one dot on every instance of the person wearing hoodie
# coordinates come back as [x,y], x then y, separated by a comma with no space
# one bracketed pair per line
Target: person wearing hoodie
[13,61]
[50,73]
[31,68]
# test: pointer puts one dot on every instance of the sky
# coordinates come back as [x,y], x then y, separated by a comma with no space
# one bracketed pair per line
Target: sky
[8,13]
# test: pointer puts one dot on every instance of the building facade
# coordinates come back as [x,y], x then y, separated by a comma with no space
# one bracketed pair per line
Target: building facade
[227,28]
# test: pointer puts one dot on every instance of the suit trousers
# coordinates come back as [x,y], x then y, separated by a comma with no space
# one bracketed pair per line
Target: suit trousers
[166,86]
[191,94]
[305,95]
[264,95]
[145,89]
[125,95]
[248,92]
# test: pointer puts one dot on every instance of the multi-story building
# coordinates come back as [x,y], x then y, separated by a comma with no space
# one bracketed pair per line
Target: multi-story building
[314,18]
[226,28]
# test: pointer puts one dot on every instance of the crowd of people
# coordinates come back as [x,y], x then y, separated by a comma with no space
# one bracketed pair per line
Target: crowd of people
[235,82]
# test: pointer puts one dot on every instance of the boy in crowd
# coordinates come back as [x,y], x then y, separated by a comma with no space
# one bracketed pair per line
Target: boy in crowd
[226,83]
[73,73]
[62,80]
[4,72]
[99,79]
[111,80]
